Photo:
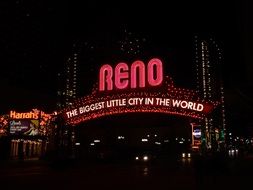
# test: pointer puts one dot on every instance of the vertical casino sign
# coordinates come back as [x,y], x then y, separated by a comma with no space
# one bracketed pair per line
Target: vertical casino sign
[196,135]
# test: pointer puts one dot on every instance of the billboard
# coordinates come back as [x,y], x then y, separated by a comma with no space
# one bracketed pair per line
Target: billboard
[196,135]
[29,127]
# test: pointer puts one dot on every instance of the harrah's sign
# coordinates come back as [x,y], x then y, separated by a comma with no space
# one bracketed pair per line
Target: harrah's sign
[138,75]
[167,99]
[25,115]
[33,114]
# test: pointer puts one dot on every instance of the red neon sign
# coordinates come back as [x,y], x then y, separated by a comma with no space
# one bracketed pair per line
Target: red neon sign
[168,99]
[120,78]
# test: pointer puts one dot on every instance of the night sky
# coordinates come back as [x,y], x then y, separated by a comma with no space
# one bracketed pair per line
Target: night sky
[37,37]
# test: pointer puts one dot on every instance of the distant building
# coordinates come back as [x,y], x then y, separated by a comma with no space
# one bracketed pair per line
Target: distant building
[67,92]
[130,45]
[67,79]
[209,60]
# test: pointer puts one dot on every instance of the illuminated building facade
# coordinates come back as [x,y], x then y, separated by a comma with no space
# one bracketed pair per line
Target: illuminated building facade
[130,45]
[26,135]
[208,58]
[67,91]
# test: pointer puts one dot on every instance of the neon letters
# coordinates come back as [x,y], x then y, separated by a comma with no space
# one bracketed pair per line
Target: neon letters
[138,75]
[26,115]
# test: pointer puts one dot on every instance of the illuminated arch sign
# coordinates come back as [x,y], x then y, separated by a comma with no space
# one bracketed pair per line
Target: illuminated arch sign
[136,88]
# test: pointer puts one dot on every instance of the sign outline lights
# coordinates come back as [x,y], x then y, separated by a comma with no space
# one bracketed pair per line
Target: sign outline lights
[112,96]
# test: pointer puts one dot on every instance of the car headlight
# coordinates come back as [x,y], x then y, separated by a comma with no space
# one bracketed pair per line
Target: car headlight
[189,155]
[136,158]
[183,155]
[145,158]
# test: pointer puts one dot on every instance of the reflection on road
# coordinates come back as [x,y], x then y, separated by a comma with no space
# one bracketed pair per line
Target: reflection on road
[184,173]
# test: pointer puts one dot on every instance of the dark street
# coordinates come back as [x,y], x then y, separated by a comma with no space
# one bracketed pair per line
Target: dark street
[234,174]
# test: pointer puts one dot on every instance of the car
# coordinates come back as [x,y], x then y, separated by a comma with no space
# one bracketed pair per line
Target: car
[186,154]
[144,157]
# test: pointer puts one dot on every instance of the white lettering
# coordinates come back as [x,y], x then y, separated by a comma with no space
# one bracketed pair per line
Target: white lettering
[162,101]
[72,113]
[188,105]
